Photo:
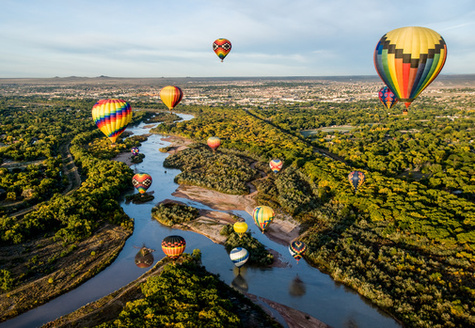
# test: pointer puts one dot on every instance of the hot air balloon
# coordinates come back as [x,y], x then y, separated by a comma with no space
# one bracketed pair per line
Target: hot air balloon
[141,182]
[297,249]
[134,151]
[222,47]
[240,228]
[263,216]
[111,117]
[356,179]
[239,256]
[144,258]
[387,97]
[408,59]
[173,246]
[275,165]
[214,143]
[171,96]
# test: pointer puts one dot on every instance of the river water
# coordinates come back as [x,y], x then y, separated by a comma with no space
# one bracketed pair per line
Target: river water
[299,286]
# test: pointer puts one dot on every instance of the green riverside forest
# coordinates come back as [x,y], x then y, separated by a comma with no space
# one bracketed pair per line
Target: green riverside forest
[405,240]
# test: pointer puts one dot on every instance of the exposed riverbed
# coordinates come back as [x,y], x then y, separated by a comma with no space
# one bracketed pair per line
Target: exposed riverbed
[298,286]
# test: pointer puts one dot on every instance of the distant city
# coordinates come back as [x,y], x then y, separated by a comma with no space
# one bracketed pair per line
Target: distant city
[253,91]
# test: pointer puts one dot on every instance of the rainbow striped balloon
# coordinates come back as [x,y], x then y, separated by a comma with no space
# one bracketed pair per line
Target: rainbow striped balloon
[275,165]
[171,96]
[173,246]
[141,182]
[222,47]
[263,216]
[408,59]
[112,117]
[239,256]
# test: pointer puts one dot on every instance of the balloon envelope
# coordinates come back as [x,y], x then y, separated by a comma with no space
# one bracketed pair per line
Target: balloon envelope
[240,228]
[408,59]
[214,142]
[142,181]
[112,117]
[356,179]
[263,216]
[173,246]
[297,249]
[171,96]
[387,97]
[134,151]
[239,256]
[275,165]
[222,47]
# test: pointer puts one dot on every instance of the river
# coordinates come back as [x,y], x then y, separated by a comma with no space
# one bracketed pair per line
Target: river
[299,286]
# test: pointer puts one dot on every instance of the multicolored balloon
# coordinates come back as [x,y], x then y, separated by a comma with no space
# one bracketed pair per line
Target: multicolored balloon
[239,256]
[222,47]
[134,151]
[387,97]
[171,96]
[408,59]
[240,228]
[141,182]
[275,165]
[214,143]
[263,216]
[173,246]
[144,258]
[297,249]
[356,179]
[112,117]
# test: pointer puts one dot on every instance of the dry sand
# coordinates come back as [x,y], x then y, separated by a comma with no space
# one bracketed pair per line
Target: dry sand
[282,230]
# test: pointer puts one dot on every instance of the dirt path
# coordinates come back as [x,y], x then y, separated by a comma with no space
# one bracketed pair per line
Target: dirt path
[70,170]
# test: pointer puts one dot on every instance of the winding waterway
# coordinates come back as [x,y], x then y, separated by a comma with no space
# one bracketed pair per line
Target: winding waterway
[299,286]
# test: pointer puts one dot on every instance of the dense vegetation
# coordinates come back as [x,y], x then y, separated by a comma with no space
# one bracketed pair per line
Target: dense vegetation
[185,295]
[173,213]
[406,239]
[220,171]
[69,217]
[258,254]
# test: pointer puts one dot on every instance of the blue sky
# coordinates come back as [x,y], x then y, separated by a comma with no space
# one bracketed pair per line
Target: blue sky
[173,38]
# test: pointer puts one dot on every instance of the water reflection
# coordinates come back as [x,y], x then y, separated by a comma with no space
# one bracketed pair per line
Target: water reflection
[239,282]
[144,258]
[297,287]
[318,296]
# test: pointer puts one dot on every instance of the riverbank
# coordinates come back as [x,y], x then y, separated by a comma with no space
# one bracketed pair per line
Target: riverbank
[109,307]
[67,267]
[283,229]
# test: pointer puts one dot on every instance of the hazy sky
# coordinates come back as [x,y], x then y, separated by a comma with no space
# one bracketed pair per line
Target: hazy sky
[154,38]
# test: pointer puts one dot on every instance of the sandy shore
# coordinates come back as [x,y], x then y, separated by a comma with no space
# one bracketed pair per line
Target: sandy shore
[282,230]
